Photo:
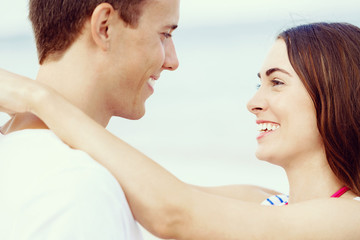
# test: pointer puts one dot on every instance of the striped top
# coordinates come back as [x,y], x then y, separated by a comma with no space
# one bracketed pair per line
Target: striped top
[281,200]
[276,200]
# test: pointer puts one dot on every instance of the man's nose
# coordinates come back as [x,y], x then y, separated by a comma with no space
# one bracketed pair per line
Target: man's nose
[171,61]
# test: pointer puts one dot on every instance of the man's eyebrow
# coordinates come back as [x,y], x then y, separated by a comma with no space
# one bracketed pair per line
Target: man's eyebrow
[272,70]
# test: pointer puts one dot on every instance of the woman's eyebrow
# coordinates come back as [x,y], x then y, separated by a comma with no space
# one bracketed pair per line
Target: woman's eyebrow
[272,70]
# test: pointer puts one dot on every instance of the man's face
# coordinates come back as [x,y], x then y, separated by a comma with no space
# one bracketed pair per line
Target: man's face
[139,55]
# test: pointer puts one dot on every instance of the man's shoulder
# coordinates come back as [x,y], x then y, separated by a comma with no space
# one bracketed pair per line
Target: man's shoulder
[42,158]
[41,147]
[36,140]
[42,176]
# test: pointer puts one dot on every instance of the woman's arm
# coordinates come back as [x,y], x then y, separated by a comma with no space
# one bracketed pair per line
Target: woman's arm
[166,206]
[247,193]
[17,92]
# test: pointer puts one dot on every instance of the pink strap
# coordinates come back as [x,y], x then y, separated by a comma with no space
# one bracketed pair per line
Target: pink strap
[340,192]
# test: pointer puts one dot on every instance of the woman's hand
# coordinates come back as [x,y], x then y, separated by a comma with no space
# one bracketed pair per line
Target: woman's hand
[18,93]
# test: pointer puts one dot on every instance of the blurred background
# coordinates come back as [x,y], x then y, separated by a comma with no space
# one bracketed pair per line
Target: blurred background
[197,125]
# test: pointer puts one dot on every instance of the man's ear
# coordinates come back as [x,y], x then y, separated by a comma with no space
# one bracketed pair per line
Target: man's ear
[101,20]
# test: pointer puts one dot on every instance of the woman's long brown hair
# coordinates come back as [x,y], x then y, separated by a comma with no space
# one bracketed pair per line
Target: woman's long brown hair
[326,57]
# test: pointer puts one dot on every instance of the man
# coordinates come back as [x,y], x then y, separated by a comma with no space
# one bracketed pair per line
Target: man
[104,57]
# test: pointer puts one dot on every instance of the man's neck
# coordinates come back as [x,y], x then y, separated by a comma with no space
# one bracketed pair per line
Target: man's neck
[76,78]
[77,85]
[23,121]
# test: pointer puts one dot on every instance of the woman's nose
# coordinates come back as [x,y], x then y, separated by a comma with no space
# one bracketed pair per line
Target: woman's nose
[257,103]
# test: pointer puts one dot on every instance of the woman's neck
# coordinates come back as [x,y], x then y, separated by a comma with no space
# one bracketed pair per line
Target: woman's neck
[311,179]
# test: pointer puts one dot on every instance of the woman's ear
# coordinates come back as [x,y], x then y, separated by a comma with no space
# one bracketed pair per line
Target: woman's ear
[100,23]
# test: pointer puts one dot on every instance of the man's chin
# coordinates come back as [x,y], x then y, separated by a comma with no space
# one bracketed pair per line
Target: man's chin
[133,115]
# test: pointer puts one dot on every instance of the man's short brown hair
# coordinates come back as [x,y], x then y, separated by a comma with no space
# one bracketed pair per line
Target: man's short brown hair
[57,23]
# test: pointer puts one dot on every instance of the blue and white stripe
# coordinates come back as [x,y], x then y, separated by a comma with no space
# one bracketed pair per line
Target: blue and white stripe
[276,200]
[281,200]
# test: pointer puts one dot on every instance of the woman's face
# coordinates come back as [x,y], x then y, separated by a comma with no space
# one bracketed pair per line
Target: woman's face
[285,113]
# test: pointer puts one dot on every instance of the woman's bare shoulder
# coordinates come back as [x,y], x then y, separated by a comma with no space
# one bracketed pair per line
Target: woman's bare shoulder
[248,193]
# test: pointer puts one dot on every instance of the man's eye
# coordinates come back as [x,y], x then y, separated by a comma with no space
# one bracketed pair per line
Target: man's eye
[167,35]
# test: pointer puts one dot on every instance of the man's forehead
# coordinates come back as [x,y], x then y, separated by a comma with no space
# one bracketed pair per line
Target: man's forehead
[163,5]
[165,10]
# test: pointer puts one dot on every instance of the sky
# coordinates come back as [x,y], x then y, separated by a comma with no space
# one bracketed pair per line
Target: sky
[198,12]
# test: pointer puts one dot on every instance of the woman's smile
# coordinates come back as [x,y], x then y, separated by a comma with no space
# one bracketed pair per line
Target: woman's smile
[265,128]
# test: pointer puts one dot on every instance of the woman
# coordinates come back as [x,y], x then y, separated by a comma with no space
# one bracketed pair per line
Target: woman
[307,109]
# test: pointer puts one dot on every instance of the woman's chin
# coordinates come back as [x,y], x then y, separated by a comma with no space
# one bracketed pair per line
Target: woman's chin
[272,158]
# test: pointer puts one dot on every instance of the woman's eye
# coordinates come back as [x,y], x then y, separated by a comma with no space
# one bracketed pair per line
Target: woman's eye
[272,83]
[276,82]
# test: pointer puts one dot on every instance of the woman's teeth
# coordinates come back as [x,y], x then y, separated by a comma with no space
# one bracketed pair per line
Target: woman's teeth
[265,127]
